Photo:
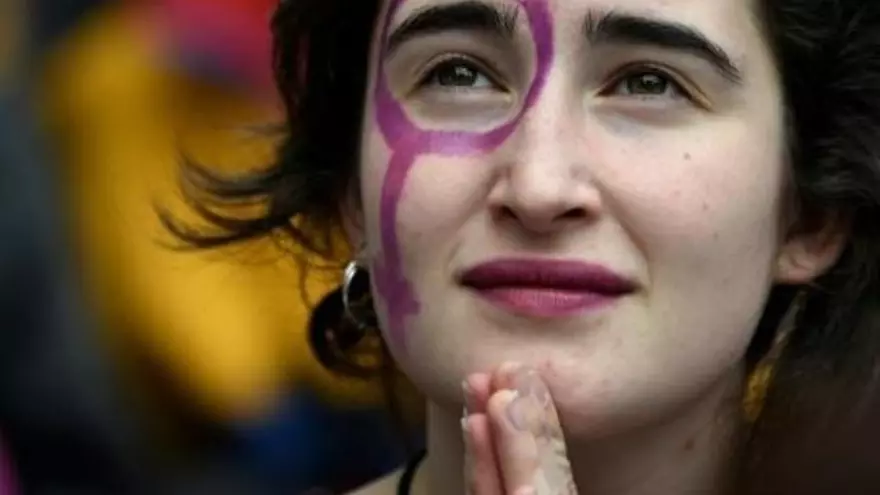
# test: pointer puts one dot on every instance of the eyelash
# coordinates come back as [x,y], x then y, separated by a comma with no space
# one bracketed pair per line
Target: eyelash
[429,79]
[633,71]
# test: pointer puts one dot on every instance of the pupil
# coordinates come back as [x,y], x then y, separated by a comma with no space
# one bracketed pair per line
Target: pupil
[648,84]
[459,75]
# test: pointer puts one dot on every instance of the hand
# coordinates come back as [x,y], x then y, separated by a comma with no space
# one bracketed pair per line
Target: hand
[514,443]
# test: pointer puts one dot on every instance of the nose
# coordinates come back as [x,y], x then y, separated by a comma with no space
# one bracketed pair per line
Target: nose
[546,184]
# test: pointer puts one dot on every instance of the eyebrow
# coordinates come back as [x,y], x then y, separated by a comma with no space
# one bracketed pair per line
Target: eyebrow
[462,16]
[616,27]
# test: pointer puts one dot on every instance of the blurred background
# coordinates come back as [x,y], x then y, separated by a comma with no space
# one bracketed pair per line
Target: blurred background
[126,366]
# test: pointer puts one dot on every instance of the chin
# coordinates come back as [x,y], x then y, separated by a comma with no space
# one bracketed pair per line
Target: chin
[599,390]
[437,367]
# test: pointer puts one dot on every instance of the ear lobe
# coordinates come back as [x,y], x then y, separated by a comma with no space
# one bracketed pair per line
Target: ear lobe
[808,255]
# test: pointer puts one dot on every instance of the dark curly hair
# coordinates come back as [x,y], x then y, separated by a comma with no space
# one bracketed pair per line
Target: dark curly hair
[811,435]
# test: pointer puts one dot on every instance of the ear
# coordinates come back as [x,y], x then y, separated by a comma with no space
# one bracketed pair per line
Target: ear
[809,253]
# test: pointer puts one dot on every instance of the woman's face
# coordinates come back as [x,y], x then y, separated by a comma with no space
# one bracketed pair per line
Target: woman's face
[592,187]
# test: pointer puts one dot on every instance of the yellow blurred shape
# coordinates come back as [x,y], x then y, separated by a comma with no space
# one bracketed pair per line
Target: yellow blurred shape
[229,325]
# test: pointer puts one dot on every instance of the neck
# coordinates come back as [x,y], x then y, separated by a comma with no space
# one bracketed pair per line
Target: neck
[689,454]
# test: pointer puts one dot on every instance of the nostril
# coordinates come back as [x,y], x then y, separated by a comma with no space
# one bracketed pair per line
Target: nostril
[574,214]
[506,213]
[539,220]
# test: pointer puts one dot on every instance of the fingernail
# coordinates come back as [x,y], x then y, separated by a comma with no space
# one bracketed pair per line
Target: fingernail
[529,384]
[518,411]
[468,393]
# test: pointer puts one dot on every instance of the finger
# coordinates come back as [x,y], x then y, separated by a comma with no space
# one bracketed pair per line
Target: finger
[476,392]
[529,438]
[554,474]
[482,476]
[516,446]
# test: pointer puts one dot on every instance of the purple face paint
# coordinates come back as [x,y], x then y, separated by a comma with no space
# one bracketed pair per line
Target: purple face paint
[407,142]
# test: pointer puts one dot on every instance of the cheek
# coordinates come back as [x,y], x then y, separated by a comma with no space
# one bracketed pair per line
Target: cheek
[441,195]
[704,220]
[375,157]
[709,201]
[441,198]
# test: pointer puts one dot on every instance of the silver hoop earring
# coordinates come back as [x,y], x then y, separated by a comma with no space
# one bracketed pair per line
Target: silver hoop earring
[355,286]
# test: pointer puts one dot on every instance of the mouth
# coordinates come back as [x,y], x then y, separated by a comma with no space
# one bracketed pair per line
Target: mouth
[546,288]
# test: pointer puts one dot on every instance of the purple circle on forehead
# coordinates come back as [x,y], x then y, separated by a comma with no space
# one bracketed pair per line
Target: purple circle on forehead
[397,127]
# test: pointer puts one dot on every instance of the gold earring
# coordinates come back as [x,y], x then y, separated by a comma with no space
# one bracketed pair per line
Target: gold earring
[759,380]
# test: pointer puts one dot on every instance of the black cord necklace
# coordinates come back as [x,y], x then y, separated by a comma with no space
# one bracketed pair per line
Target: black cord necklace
[406,479]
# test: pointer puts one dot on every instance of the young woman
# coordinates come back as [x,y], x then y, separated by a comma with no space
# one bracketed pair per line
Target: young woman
[603,227]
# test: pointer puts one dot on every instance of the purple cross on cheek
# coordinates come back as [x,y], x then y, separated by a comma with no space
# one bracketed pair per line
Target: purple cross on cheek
[407,142]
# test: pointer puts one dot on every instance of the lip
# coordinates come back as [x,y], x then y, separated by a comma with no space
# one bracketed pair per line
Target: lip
[546,288]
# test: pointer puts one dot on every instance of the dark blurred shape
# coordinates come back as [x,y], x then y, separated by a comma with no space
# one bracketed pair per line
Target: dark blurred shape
[58,413]
[823,439]
[8,484]
[52,19]
[309,443]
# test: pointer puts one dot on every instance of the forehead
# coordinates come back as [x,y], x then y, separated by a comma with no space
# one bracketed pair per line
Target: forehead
[678,9]
[730,23]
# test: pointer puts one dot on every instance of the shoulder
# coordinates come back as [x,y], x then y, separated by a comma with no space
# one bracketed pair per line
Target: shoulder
[382,486]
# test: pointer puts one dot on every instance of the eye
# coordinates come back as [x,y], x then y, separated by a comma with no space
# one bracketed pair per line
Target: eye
[648,83]
[458,73]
